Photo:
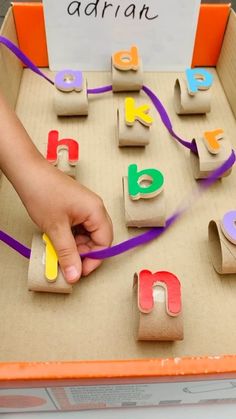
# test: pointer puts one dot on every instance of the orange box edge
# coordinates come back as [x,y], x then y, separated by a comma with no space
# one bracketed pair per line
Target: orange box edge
[141,369]
[126,369]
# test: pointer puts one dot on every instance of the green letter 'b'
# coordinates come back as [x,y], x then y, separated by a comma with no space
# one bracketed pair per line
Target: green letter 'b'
[154,178]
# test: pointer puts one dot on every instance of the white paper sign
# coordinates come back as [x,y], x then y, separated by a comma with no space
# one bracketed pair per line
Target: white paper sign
[83,34]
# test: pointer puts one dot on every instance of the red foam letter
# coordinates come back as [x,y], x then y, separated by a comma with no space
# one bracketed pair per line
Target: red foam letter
[53,143]
[146,282]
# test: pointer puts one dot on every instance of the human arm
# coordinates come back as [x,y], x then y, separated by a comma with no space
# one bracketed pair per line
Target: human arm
[43,188]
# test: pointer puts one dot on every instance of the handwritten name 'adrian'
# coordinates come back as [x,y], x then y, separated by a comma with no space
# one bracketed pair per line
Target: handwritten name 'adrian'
[104,9]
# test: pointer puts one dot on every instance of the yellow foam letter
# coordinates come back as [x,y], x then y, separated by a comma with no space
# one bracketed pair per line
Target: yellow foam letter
[141,113]
[51,260]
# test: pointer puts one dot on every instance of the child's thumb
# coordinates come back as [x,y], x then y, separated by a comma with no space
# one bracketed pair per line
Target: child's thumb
[67,253]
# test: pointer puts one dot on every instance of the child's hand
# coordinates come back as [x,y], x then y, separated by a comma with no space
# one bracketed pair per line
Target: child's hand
[57,203]
[54,201]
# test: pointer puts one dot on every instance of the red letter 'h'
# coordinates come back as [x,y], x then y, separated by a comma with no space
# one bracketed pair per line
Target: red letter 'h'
[54,143]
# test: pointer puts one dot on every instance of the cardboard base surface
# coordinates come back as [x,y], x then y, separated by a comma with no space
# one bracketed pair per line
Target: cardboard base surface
[95,321]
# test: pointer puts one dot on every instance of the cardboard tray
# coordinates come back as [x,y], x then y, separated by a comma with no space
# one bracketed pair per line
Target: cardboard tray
[88,337]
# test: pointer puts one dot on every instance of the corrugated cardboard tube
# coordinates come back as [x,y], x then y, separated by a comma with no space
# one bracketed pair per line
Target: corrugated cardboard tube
[158,324]
[186,104]
[127,81]
[137,135]
[222,251]
[71,103]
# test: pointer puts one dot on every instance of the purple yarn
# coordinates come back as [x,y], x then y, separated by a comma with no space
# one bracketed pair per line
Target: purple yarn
[166,120]
[136,241]
[152,233]
[22,57]
[155,232]
[206,183]
[98,90]
[15,245]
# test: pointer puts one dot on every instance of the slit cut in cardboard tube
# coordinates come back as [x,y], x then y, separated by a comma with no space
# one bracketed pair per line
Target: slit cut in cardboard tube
[156,325]
[36,272]
[222,251]
[205,162]
[137,135]
[186,104]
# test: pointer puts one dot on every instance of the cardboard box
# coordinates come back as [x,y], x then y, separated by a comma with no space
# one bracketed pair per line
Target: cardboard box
[60,352]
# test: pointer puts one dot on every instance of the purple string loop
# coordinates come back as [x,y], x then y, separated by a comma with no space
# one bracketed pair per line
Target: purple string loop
[155,232]
[152,233]
[166,120]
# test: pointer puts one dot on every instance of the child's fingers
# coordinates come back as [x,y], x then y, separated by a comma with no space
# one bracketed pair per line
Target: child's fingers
[68,256]
[89,265]
[100,236]
[100,227]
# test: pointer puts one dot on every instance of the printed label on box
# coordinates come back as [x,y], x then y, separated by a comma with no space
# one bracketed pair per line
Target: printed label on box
[131,395]
[88,397]
[25,400]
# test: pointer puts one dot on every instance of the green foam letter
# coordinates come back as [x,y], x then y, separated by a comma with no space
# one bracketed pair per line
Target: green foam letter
[153,178]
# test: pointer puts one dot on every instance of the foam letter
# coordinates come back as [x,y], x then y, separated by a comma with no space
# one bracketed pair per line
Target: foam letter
[54,143]
[198,79]
[171,284]
[126,60]
[140,114]
[211,139]
[69,80]
[51,260]
[228,226]
[153,177]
